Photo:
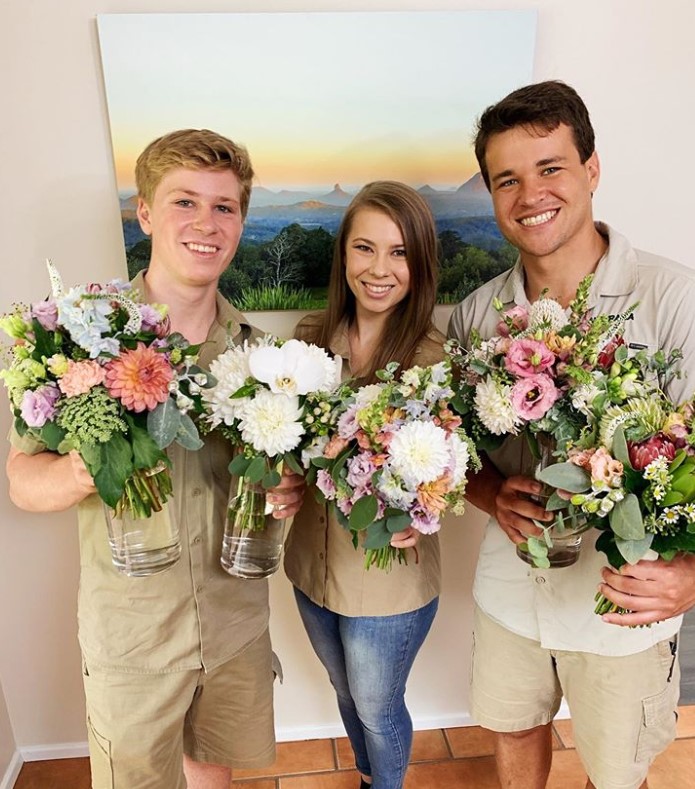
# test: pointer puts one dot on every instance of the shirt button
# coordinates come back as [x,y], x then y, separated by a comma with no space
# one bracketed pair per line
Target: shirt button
[196,540]
[322,519]
[540,579]
[199,589]
[320,556]
[196,492]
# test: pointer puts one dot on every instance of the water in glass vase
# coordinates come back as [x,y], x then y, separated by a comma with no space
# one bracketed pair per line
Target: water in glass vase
[253,538]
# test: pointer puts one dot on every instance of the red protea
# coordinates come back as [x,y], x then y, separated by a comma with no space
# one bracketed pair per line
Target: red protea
[642,453]
[607,355]
[139,378]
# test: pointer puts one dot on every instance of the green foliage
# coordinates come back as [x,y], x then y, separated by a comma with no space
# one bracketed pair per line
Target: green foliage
[281,297]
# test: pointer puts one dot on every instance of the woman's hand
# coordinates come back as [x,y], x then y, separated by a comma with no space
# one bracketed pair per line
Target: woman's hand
[287,498]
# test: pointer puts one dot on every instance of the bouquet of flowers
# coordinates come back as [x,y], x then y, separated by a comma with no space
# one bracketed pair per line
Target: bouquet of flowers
[633,469]
[533,378]
[398,458]
[94,369]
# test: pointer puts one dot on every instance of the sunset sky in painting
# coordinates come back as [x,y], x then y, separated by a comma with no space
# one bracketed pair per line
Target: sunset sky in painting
[318,98]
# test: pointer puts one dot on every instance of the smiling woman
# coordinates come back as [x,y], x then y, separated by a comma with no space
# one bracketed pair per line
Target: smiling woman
[368,626]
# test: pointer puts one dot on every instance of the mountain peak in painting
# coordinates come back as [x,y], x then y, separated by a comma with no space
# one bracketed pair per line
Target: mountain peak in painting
[474,186]
[337,197]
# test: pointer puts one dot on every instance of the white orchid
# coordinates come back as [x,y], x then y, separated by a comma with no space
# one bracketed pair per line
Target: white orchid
[295,368]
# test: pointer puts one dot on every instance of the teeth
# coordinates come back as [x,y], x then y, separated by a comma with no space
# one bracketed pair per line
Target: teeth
[201,248]
[530,221]
[377,288]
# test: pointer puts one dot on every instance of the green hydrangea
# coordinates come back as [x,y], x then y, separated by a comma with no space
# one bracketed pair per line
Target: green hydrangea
[91,418]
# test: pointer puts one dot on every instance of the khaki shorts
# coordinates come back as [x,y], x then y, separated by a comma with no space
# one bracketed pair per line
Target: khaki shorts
[140,725]
[623,708]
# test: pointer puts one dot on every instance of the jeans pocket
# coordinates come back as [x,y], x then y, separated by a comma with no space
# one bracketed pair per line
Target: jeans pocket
[658,728]
[100,758]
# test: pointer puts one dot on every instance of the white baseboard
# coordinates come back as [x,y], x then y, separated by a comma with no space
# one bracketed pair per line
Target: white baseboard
[71,750]
[12,772]
[59,750]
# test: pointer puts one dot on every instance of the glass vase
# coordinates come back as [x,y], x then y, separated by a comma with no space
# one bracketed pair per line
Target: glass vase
[563,537]
[253,538]
[144,539]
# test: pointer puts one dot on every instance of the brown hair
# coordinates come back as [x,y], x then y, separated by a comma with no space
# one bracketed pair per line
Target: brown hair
[194,149]
[411,320]
[541,108]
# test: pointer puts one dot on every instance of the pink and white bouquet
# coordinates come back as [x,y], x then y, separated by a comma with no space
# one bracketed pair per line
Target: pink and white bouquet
[398,458]
[273,399]
[96,370]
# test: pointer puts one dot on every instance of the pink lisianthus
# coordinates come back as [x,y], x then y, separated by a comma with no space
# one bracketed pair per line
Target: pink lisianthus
[528,357]
[533,397]
[38,406]
[642,453]
[324,482]
[359,471]
[581,457]
[606,469]
[80,377]
[425,521]
[513,320]
[46,313]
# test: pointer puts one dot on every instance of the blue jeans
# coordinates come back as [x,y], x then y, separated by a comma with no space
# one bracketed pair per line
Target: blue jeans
[368,659]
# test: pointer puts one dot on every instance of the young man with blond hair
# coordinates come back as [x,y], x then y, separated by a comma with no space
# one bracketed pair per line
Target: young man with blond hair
[536,636]
[178,668]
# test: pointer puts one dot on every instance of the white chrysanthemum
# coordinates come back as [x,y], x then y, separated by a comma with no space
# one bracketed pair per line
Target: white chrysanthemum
[462,458]
[366,395]
[392,491]
[547,313]
[270,423]
[493,405]
[419,452]
[296,368]
[231,369]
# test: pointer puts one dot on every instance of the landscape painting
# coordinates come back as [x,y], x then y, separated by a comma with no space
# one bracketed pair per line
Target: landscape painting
[325,102]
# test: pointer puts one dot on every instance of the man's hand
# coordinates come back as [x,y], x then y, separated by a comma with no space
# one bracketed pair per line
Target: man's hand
[288,496]
[83,479]
[408,538]
[654,591]
[515,512]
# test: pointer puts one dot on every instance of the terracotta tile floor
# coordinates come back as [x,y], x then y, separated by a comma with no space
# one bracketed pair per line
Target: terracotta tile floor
[441,759]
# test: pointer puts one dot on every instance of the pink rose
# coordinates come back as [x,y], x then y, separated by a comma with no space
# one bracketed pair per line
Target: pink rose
[605,468]
[513,320]
[532,397]
[81,377]
[528,357]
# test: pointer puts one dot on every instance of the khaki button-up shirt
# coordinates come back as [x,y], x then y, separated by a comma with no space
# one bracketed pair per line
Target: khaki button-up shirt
[321,560]
[194,614]
[556,606]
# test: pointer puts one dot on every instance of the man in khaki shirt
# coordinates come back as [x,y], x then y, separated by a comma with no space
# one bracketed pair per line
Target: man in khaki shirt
[178,666]
[536,636]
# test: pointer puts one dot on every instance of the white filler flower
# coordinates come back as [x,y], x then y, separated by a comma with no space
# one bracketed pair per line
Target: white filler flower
[419,452]
[270,423]
[294,369]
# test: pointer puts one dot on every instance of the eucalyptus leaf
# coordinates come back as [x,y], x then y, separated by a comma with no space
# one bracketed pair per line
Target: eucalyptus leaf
[377,536]
[187,434]
[146,453]
[626,519]
[256,469]
[566,476]
[115,468]
[395,523]
[556,502]
[620,451]
[271,479]
[363,513]
[163,423]
[239,465]
[634,550]
[292,462]
[320,462]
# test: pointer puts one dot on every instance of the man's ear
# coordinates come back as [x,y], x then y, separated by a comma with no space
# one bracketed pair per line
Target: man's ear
[143,215]
[593,170]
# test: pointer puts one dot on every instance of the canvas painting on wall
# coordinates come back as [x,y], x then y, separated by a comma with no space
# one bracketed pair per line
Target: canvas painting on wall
[325,102]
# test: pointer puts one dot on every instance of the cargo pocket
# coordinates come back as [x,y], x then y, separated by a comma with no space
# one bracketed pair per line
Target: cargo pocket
[659,716]
[100,758]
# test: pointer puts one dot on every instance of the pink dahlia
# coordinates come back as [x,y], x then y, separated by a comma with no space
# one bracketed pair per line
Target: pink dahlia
[528,357]
[139,378]
[642,453]
[532,397]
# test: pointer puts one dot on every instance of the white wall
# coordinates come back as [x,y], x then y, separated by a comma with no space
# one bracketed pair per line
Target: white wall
[7,743]
[632,61]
